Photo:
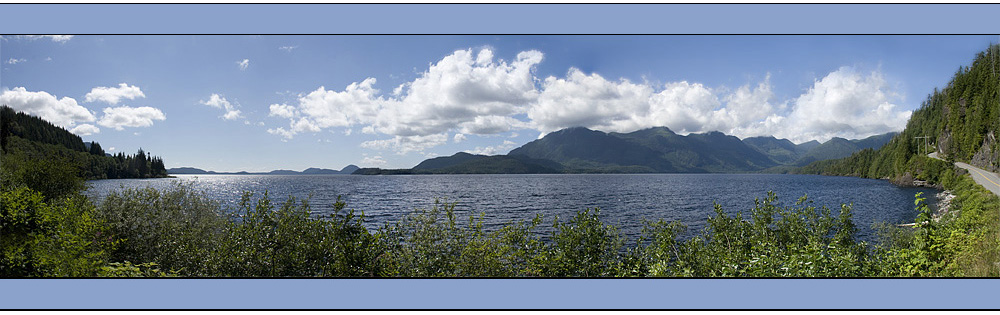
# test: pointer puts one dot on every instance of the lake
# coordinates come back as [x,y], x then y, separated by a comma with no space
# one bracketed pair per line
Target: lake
[625,199]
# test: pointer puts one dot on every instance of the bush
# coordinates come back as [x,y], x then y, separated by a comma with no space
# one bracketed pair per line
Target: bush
[582,247]
[52,176]
[795,241]
[262,241]
[58,238]
[177,228]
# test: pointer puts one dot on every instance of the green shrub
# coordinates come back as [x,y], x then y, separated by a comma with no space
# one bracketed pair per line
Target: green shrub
[52,176]
[56,238]
[263,241]
[129,270]
[582,247]
[177,228]
[777,241]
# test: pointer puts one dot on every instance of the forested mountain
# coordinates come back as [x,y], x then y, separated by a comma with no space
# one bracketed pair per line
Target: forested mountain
[780,150]
[652,150]
[584,149]
[960,122]
[25,137]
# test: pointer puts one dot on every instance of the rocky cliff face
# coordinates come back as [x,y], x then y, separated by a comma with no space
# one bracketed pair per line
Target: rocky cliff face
[988,156]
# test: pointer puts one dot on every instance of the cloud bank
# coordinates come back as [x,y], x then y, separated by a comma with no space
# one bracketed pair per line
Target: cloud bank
[472,92]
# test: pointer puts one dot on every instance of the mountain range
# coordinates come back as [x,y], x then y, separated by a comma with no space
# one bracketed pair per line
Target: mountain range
[652,150]
[309,171]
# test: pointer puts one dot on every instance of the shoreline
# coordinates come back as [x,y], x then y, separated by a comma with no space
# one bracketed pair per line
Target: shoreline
[939,208]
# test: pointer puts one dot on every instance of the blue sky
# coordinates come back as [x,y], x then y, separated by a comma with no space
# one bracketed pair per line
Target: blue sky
[258,103]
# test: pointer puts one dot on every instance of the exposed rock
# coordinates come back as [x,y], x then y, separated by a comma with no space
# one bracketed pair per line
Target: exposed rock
[943,205]
[940,208]
[988,155]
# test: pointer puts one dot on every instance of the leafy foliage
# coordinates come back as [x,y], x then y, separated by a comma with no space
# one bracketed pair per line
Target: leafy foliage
[262,240]
[962,119]
[961,243]
[30,138]
[777,241]
[175,228]
[59,238]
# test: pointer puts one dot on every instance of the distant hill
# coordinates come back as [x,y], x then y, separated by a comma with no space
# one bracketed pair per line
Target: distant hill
[446,161]
[652,150]
[309,171]
[188,170]
[466,163]
[584,149]
[837,148]
[782,151]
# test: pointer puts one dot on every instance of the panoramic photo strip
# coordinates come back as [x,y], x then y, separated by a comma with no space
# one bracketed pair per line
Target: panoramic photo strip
[499,156]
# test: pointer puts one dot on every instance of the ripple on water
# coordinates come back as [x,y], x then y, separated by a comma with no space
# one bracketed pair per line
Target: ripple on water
[624,199]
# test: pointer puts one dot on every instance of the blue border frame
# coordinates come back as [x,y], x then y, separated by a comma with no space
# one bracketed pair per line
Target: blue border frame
[500,293]
[500,18]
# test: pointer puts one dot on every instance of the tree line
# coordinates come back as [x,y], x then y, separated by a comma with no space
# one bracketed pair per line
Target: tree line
[962,121]
[34,138]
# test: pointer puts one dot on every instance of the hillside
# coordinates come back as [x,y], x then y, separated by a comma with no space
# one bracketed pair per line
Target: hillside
[651,150]
[25,138]
[961,121]
[660,150]
[782,151]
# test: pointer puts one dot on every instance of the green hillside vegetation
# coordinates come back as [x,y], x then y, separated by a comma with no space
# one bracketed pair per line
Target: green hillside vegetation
[27,138]
[651,150]
[782,151]
[466,163]
[961,122]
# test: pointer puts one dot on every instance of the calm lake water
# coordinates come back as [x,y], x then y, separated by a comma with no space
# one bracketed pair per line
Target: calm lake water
[625,199]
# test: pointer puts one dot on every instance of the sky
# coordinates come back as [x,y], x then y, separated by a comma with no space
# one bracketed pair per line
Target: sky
[260,103]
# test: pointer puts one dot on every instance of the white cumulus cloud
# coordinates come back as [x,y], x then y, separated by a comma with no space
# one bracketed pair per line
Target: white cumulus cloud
[14,61]
[357,103]
[846,103]
[218,101]
[281,132]
[502,148]
[125,116]
[404,145]
[458,89]
[282,110]
[63,112]
[581,100]
[288,48]
[243,64]
[373,161]
[85,129]
[467,91]
[474,92]
[112,95]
